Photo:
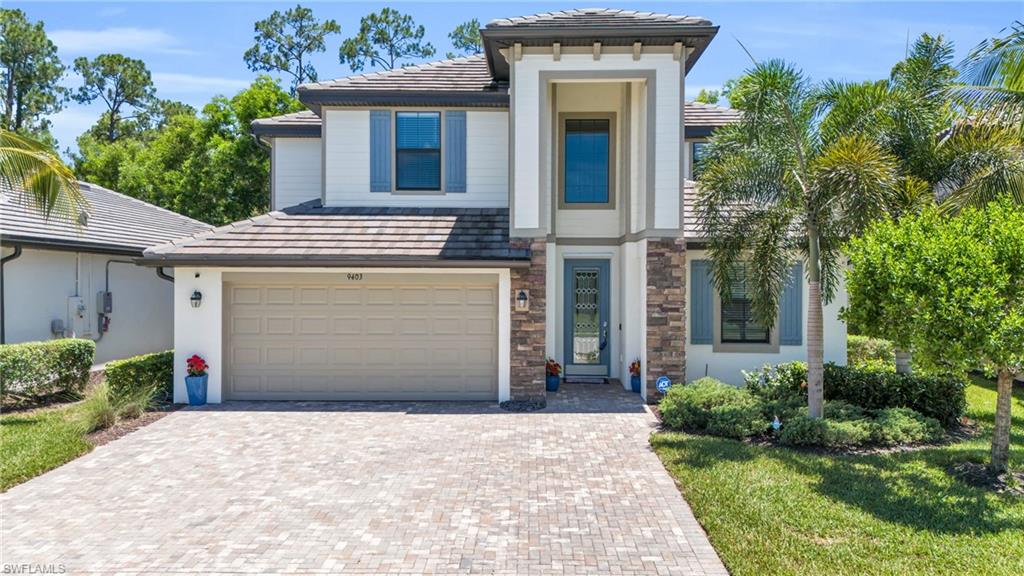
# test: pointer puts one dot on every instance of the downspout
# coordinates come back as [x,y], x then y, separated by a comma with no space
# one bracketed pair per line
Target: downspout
[3,312]
[164,275]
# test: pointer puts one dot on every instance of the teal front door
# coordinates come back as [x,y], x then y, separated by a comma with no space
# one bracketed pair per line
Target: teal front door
[586,321]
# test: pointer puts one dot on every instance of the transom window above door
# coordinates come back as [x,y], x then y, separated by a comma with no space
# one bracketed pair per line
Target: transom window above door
[418,150]
[587,162]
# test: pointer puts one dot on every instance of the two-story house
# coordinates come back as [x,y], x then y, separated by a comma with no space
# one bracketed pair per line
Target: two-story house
[438,231]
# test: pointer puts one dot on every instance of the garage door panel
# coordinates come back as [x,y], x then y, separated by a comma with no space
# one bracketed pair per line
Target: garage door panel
[313,341]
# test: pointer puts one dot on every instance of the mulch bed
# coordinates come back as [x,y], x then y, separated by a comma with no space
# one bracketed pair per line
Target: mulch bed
[125,427]
[979,476]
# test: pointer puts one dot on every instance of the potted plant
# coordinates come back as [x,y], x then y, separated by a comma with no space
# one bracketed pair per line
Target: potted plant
[634,375]
[195,382]
[554,371]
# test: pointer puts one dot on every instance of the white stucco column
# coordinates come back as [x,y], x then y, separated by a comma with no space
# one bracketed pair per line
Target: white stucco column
[198,330]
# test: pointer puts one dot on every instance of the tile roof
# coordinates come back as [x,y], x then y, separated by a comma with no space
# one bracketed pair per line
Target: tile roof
[597,17]
[709,115]
[116,223]
[310,234]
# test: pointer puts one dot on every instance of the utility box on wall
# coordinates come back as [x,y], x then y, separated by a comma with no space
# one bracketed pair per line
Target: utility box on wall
[77,317]
[104,302]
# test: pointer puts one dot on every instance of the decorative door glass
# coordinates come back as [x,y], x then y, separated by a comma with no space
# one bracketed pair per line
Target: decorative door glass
[586,315]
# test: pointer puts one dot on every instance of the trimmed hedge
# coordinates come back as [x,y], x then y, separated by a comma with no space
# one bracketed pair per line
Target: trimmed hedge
[940,397]
[865,352]
[35,370]
[807,431]
[130,375]
[707,405]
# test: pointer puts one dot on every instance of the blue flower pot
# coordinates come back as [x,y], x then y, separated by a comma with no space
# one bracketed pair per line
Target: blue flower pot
[196,387]
[634,382]
[552,383]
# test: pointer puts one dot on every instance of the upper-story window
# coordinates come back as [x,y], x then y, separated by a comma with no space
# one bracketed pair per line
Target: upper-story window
[699,150]
[418,150]
[587,161]
[739,325]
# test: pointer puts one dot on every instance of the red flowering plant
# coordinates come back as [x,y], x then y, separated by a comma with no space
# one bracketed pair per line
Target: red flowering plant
[552,367]
[196,365]
[634,367]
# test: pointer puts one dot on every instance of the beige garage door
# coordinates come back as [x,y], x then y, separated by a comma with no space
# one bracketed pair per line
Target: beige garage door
[360,337]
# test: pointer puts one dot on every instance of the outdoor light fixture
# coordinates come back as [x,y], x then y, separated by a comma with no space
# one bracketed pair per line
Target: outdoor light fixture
[523,300]
[196,298]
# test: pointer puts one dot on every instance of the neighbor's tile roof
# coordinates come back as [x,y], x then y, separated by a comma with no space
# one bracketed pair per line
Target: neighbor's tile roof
[312,235]
[115,223]
[596,17]
[709,115]
[467,74]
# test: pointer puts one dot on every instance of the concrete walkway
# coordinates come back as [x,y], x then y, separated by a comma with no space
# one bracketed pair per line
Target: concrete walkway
[364,488]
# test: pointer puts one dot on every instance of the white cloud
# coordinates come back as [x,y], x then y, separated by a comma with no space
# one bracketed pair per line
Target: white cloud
[118,39]
[174,83]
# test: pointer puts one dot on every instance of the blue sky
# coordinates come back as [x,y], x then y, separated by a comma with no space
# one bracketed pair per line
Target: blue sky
[194,49]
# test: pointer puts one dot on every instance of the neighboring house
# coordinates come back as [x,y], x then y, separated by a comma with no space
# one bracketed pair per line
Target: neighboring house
[55,272]
[441,229]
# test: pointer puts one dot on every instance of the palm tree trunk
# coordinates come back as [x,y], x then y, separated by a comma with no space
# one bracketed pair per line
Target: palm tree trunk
[815,332]
[1001,434]
[903,358]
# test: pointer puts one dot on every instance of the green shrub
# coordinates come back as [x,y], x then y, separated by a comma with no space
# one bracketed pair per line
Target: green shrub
[865,352]
[843,411]
[132,404]
[941,397]
[782,387]
[737,420]
[39,369]
[904,426]
[98,412]
[807,431]
[707,405]
[147,374]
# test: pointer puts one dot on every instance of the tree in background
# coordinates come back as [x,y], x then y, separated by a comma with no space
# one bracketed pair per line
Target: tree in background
[466,39]
[119,82]
[991,80]
[31,166]
[284,42]
[30,73]
[206,166]
[775,188]
[707,96]
[386,39]
[953,284]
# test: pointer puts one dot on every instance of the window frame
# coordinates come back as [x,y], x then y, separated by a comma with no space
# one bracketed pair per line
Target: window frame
[612,119]
[395,189]
[769,347]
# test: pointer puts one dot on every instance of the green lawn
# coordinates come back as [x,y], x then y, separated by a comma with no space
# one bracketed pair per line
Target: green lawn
[779,511]
[33,442]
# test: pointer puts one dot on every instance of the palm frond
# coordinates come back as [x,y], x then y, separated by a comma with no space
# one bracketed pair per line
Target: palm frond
[854,178]
[986,163]
[29,167]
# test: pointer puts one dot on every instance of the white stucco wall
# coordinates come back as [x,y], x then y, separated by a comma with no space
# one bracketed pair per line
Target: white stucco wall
[37,287]
[200,330]
[347,168]
[702,360]
[296,169]
[531,191]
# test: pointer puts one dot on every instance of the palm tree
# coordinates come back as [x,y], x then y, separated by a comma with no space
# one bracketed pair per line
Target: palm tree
[31,167]
[778,188]
[991,79]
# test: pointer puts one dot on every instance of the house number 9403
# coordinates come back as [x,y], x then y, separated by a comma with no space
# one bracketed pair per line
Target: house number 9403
[355,276]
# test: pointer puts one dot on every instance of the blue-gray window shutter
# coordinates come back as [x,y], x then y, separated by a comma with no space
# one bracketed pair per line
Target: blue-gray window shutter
[380,151]
[701,302]
[791,309]
[455,151]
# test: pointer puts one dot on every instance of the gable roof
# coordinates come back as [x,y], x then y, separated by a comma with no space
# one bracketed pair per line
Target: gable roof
[310,234]
[454,82]
[116,224]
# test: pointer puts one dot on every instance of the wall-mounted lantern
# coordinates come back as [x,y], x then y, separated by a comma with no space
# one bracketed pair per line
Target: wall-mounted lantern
[523,301]
[196,298]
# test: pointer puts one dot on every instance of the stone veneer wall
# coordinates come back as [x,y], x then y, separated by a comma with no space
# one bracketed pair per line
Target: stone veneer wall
[528,347]
[666,309]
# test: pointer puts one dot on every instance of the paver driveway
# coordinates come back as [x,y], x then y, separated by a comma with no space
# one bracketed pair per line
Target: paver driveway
[368,489]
